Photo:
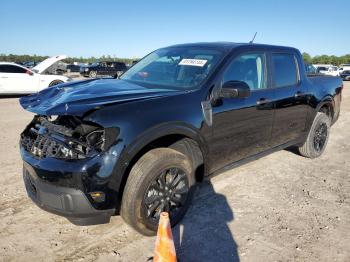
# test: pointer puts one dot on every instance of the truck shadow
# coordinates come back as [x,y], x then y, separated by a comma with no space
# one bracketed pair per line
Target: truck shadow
[293,149]
[204,235]
[10,96]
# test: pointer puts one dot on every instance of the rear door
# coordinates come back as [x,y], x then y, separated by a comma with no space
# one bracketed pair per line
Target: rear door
[120,68]
[113,68]
[291,105]
[103,68]
[242,126]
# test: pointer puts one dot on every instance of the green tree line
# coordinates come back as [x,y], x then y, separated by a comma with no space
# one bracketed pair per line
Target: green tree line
[326,59]
[26,58]
[319,59]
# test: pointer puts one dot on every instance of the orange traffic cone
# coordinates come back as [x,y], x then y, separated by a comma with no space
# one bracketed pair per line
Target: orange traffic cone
[165,248]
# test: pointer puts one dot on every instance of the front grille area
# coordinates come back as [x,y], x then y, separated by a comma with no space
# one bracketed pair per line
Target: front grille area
[42,146]
[65,137]
[41,141]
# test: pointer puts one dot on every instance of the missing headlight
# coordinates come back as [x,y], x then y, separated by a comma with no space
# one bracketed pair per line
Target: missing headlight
[66,137]
[96,139]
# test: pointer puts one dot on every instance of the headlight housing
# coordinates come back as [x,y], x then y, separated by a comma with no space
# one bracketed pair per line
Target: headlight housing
[43,138]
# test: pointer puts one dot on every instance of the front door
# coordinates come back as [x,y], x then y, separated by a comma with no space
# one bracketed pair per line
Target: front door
[242,126]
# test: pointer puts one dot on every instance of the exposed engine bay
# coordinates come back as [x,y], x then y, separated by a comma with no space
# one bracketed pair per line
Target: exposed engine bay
[65,137]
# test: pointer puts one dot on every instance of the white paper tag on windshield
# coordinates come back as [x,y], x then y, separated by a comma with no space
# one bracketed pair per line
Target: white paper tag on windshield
[193,62]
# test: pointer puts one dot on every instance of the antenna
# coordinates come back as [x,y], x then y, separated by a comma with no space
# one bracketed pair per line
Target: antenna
[253,38]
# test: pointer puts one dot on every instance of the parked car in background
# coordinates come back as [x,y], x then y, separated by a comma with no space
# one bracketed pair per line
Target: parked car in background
[134,62]
[17,79]
[30,64]
[344,67]
[58,68]
[310,69]
[140,143]
[94,70]
[345,75]
[73,68]
[327,69]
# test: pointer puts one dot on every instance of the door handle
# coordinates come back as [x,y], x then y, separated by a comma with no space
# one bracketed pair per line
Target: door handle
[299,94]
[262,101]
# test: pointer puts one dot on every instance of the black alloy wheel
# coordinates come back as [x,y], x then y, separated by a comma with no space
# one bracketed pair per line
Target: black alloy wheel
[318,136]
[168,192]
[161,180]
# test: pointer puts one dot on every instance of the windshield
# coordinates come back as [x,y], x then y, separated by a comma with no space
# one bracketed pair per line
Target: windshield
[182,68]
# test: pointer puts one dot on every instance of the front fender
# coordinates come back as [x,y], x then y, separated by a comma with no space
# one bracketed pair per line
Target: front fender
[131,150]
[162,130]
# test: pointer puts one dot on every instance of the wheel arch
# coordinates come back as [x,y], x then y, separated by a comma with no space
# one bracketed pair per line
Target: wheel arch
[162,136]
[326,106]
[59,81]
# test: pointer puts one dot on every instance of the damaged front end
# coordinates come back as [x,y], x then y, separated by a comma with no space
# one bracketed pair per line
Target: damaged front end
[66,137]
[68,163]
[74,149]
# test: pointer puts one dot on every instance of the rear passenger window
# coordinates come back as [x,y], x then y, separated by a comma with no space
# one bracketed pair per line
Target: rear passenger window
[285,70]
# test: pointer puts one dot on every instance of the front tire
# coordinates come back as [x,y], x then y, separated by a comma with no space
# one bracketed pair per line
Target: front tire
[93,74]
[161,180]
[317,138]
[55,82]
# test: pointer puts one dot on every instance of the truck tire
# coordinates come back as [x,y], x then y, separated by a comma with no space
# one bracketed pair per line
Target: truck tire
[93,74]
[161,180]
[317,138]
[55,82]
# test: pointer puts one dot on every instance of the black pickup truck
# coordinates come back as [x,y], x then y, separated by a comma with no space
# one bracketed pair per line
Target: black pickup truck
[94,70]
[138,145]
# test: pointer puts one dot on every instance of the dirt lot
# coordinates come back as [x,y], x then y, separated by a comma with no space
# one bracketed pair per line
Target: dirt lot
[282,207]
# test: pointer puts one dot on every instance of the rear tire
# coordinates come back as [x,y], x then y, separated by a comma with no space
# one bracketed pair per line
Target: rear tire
[161,180]
[317,138]
[55,82]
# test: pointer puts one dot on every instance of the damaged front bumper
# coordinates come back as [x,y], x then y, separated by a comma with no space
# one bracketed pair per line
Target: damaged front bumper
[65,168]
[64,201]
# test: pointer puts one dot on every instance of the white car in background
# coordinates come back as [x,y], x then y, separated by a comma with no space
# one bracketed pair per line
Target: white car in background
[344,67]
[327,70]
[17,79]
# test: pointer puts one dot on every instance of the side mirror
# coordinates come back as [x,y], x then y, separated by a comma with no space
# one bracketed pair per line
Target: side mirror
[235,89]
[28,72]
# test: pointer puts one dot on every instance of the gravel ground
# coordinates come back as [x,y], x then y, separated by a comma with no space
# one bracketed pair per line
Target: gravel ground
[282,207]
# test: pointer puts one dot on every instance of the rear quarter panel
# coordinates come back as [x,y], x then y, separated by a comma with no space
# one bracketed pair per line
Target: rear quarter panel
[326,89]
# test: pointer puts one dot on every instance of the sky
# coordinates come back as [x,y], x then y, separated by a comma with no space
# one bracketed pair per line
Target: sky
[135,28]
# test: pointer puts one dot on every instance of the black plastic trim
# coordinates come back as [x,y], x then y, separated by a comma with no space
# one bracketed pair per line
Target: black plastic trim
[63,201]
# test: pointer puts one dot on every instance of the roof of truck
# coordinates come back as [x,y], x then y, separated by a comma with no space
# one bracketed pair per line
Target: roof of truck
[230,45]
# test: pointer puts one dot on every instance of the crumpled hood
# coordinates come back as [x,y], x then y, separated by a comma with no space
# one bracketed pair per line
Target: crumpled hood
[77,98]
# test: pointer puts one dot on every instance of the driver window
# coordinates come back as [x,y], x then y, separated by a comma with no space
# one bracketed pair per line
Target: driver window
[248,68]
